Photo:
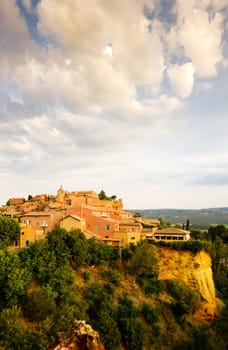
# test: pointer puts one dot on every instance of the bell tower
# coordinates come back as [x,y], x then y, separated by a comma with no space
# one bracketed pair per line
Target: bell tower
[60,195]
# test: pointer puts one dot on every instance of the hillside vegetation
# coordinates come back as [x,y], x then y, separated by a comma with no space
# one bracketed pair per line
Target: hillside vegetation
[199,218]
[48,285]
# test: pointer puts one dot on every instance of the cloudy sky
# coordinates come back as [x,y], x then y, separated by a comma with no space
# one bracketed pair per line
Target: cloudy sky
[128,96]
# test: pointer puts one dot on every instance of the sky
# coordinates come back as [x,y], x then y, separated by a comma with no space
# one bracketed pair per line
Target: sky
[129,97]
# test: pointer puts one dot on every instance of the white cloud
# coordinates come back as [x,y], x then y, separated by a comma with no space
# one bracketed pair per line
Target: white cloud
[138,54]
[15,42]
[200,37]
[108,50]
[182,78]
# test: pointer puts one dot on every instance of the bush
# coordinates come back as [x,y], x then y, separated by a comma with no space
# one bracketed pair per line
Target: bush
[40,304]
[192,246]
[143,262]
[149,285]
[113,276]
[102,313]
[132,331]
[150,314]
[13,279]
[86,276]
[186,300]
[15,336]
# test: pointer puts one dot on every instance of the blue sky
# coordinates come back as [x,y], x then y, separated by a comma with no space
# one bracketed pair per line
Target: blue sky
[126,96]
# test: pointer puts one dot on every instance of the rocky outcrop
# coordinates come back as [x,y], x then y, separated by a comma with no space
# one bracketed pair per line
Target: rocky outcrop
[82,337]
[195,272]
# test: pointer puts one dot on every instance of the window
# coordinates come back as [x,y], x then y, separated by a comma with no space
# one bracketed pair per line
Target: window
[16,243]
[27,243]
[22,232]
[107,227]
[132,238]
[96,227]
[43,223]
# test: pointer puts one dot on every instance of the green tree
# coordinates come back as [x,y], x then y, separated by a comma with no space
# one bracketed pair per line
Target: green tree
[102,313]
[40,260]
[132,331]
[144,262]
[187,225]
[102,195]
[218,231]
[79,246]
[9,230]
[15,336]
[14,279]
[219,253]
[137,215]
[144,265]
[40,303]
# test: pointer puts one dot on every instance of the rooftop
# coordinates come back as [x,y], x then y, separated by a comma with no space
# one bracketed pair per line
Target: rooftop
[173,231]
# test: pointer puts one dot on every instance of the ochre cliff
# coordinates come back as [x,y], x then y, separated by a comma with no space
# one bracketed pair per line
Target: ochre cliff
[195,272]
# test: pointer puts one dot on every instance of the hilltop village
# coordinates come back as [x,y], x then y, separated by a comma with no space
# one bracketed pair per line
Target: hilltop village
[96,215]
[63,277]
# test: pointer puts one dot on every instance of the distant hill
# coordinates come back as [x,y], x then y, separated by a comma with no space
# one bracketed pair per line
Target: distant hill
[199,218]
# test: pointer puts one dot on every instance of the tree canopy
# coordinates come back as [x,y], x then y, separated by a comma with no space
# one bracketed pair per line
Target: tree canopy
[102,196]
[9,230]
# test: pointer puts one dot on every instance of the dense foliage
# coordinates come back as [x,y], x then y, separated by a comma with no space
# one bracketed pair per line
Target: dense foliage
[102,196]
[9,230]
[194,246]
[185,300]
[44,287]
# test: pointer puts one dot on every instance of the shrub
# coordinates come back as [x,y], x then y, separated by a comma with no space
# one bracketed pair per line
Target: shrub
[186,300]
[143,262]
[149,285]
[150,314]
[86,276]
[132,331]
[113,276]
[102,313]
[40,303]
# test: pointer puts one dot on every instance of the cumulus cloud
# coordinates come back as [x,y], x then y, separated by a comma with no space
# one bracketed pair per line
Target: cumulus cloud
[182,78]
[74,23]
[200,36]
[15,42]
[108,50]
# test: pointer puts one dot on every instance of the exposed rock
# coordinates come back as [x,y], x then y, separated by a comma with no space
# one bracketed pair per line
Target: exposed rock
[195,272]
[82,337]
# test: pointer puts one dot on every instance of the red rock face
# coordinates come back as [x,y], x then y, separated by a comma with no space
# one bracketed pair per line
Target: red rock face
[82,337]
